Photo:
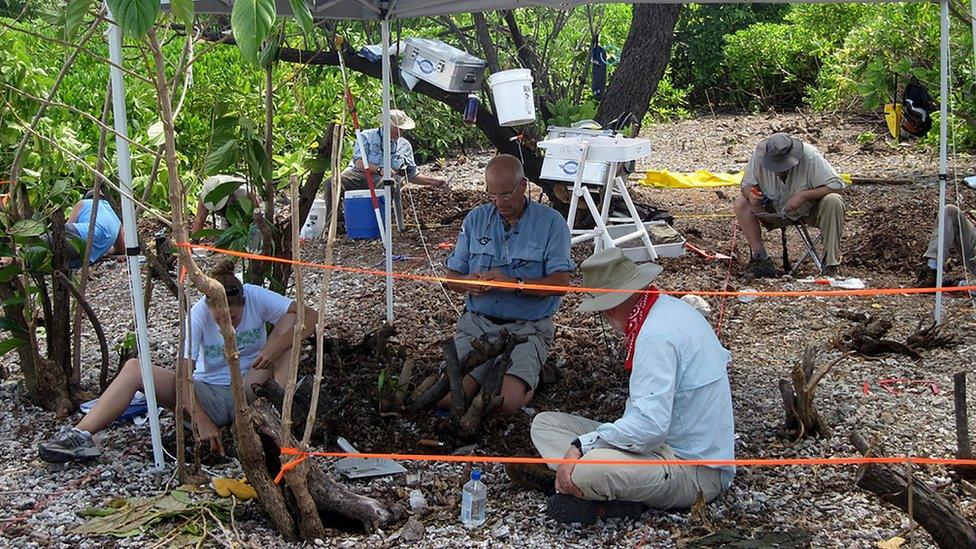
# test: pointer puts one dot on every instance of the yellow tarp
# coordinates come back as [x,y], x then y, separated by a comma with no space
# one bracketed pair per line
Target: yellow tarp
[702,179]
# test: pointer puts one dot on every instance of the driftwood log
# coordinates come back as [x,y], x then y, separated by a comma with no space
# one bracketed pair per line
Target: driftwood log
[802,418]
[868,336]
[940,518]
[436,387]
[467,414]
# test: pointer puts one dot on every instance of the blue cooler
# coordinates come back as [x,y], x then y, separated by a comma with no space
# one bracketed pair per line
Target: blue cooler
[360,219]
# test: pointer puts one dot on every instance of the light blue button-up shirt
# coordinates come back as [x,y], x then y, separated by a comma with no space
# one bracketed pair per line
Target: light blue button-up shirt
[679,391]
[401,154]
[536,246]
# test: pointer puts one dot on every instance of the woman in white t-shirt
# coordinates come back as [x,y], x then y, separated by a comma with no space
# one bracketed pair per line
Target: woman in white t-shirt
[261,357]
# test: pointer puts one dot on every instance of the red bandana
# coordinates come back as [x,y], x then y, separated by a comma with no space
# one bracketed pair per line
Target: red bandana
[635,321]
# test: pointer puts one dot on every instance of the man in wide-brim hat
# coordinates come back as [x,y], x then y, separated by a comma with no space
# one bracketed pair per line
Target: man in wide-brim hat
[786,181]
[402,162]
[679,408]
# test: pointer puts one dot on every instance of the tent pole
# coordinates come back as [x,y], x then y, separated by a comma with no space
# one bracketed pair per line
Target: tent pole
[943,146]
[387,174]
[132,251]
[972,12]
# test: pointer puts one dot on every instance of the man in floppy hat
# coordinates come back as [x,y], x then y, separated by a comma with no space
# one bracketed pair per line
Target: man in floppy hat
[512,239]
[217,193]
[679,408]
[401,158]
[790,180]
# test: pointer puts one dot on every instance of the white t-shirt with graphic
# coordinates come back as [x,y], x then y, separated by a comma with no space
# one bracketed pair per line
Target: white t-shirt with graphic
[206,345]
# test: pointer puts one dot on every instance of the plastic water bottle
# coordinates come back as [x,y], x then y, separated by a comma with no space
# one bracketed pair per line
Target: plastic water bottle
[471,109]
[473,497]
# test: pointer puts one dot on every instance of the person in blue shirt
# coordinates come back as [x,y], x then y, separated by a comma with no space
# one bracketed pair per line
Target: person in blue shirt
[108,236]
[402,162]
[679,407]
[510,239]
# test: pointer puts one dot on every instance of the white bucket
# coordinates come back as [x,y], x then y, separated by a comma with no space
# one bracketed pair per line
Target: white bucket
[512,91]
[317,218]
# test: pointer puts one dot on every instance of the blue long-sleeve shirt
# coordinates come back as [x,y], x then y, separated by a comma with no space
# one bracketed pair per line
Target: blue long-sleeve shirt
[401,151]
[537,245]
[679,391]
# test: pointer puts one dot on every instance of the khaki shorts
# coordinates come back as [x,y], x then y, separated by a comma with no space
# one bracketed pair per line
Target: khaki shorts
[527,358]
[216,400]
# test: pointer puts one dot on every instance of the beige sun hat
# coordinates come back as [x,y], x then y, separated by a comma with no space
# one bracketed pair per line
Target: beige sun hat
[611,269]
[214,181]
[780,152]
[399,119]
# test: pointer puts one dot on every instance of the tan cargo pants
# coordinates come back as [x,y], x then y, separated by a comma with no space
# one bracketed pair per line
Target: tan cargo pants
[827,215]
[660,487]
[959,235]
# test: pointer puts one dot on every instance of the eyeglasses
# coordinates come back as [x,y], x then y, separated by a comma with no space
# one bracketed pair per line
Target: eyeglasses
[503,197]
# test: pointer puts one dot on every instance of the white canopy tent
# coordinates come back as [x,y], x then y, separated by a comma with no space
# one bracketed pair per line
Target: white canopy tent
[384,11]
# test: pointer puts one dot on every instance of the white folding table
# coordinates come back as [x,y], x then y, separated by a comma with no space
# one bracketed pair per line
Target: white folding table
[608,232]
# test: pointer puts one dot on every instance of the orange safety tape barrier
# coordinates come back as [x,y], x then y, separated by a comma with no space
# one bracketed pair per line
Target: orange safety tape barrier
[301,455]
[582,289]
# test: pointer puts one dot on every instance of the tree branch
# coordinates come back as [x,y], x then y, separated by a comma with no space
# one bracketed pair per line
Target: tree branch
[90,313]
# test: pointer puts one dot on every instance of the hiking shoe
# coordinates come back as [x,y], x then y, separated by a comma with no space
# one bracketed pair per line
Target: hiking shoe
[925,277]
[572,510]
[532,476]
[70,445]
[762,268]
[832,271]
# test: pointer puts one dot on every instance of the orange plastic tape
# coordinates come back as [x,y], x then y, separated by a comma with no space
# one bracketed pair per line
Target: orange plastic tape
[583,289]
[777,462]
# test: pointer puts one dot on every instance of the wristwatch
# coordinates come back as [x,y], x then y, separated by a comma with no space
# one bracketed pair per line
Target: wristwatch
[520,282]
[577,444]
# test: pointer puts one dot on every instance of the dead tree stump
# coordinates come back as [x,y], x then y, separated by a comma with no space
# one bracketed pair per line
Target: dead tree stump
[964,449]
[802,418]
[332,503]
[941,519]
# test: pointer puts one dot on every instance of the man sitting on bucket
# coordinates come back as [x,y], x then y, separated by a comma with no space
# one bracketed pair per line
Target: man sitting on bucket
[679,408]
[401,158]
[518,241]
[790,180]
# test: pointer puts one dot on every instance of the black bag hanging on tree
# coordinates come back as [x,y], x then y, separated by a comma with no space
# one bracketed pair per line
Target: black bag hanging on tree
[917,107]
[598,59]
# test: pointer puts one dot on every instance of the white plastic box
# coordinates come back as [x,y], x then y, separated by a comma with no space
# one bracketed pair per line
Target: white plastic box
[442,65]
[563,168]
[601,148]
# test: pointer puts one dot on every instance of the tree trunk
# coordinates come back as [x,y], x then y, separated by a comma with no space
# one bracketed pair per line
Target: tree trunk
[54,390]
[643,58]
